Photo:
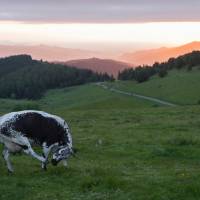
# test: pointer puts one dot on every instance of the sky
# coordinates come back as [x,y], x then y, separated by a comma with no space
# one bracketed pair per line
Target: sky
[99,11]
[112,25]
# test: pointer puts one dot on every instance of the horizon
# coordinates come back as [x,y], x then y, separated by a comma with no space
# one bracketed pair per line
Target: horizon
[110,38]
[98,28]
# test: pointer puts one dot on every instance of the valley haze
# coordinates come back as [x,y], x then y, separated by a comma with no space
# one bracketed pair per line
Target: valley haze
[97,60]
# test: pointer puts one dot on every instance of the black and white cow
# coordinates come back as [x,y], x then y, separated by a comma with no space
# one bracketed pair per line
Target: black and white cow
[20,130]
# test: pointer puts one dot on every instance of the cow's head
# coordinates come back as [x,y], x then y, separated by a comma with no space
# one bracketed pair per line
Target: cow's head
[61,153]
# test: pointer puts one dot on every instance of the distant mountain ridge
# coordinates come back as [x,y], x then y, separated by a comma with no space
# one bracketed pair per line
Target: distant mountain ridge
[112,67]
[74,57]
[47,53]
[159,55]
[88,59]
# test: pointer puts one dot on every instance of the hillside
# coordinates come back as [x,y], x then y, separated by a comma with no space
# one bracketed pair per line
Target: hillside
[143,73]
[158,55]
[99,65]
[179,86]
[47,53]
[23,77]
[126,148]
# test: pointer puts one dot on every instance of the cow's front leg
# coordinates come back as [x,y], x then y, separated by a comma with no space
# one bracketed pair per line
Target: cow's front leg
[44,166]
[46,152]
[6,155]
[22,141]
[28,150]
[32,153]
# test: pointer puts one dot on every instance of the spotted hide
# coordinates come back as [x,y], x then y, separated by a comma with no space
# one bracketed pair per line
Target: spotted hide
[19,131]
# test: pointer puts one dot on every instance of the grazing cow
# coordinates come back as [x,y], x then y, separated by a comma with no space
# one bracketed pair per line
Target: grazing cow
[20,130]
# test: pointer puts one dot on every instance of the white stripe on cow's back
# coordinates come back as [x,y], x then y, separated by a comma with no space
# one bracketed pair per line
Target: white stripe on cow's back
[11,117]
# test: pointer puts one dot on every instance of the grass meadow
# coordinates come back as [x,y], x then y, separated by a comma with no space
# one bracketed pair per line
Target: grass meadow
[180,87]
[128,149]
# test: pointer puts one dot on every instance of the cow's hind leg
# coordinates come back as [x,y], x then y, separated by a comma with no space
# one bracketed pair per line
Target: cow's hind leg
[6,155]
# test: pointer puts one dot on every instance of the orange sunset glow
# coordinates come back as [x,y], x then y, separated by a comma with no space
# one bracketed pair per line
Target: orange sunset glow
[102,40]
[170,33]
[125,31]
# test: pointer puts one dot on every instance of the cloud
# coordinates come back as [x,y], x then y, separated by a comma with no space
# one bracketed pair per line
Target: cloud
[99,11]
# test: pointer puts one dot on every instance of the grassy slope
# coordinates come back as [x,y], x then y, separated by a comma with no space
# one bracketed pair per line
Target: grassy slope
[179,87]
[79,98]
[127,150]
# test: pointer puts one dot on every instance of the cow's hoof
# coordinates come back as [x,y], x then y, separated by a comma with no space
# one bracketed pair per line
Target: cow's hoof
[10,172]
[44,168]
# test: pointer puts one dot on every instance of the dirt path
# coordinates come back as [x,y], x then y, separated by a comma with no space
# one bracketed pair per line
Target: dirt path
[152,99]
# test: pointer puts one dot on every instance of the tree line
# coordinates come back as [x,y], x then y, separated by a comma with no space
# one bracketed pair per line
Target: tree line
[23,77]
[143,73]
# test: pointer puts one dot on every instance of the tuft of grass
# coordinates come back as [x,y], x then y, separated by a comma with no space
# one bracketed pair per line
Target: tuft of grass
[183,141]
[164,152]
[108,182]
